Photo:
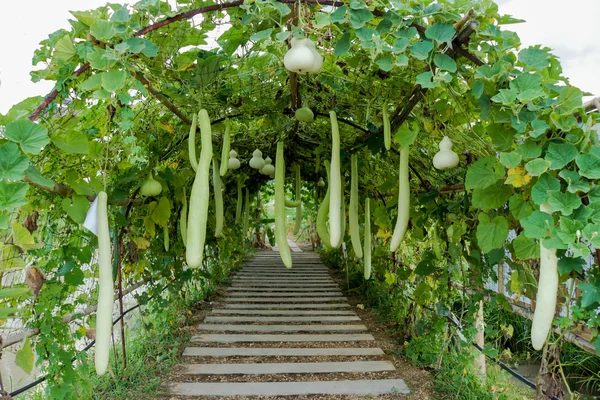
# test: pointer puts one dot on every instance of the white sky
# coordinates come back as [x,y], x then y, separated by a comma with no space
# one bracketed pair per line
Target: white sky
[570,28]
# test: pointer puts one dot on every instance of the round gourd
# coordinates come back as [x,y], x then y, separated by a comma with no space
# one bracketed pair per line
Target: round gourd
[150,187]
[299,58]
[305,114]
[257,162]
[234,163]
[268,169]
[445,158]
[321,183]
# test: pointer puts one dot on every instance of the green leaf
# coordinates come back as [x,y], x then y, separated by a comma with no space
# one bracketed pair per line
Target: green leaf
[567,230]
[12,162]
[385,63]
[528,87]
[401,45]
[491,234]
[30,136]
[501,136]
[12,195]
[477,89]
[483,173]
[539,128]
[4,221]
[589,166]
[445,63]
[72,142]
[102,30]
[440,32]
[37,178]
[282,8]
[425,267]
[22,238]
[339,15]
[283,35]
[76,208]
[421,49]
[537,167]
[120,15]
[64,49]
[342,46]
[113,80]
[406,136]
[505,96]
[144,46]
[560,154]
[569,99]
[360,17]
[529,150]
[162,212]
[566,265]
[322,20]
[565,203]
[402,60]
[518,207]
[574,181]
[494,196]
[425,79]
[260,35]
[538,225]
[544,184]
[92,83]
[534,59]
[24,358]
[510,160]
[74,277]
[13,292]
[590,294]
[525,248]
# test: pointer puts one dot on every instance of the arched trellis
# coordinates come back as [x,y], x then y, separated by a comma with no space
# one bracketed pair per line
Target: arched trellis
[464,28]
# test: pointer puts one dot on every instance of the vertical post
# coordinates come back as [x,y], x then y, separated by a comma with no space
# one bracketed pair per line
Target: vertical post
[501,278]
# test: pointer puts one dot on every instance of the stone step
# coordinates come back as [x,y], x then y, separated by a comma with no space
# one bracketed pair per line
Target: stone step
[284,279]
[356,388]
[234,338]
[303,286]
[283,289]
[285,306]
[280,328]
[283,299]
[283,312]
[288,368]
[314,318]
[280,352]
[283,294]
[278,274]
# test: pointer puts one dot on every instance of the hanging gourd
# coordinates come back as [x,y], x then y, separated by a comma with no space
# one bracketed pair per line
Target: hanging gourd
[323,213]
[353,211]
[150,187]
[192,143]
[302,57]
[240,201]
[387,131]
[445,158]
[217,184]
[403,201]
[321,183]
[299,200]
[545,301]
[268,169]
[183,219]
[367,243]
[280,218]
[234,163]
[257,162]
[335,186]
[225,150]
[305,114]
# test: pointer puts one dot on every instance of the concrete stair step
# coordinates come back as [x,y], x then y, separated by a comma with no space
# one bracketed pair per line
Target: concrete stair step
[283,312]
[288,368]
[280,328]
[295,318]
[280,352]
[236,338]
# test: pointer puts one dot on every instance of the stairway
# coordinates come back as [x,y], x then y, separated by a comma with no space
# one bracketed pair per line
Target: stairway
[281,332]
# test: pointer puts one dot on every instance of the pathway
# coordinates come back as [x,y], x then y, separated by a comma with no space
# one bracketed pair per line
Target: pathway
[281,332]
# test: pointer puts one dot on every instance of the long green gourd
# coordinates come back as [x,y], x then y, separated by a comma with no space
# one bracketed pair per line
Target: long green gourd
[545,301]
[218,198]
[343,210]
[335,184]
[292,203]
[200,197]
[183,219]
[240,200]
[192,144]
[353,211]
[299,200]
[226,148]
[367,248]
[387,132]
[105,293]
[246,214]
[166,237]
[323,212]
[280,226]
[403,201]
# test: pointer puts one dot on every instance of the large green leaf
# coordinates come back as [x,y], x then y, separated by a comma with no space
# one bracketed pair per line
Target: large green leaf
[544,184]
[31,137]
[440,32]
[494,196]
[491,234]
[23,238]
[162,212]
[538,225]
[102,30]
[560,154]
[589,165]
[72,142]
[76,208]
[483,173]
[12,162]
[444,62]
[534,59]
[565,203]
[576,184]
[525,248]
[24,357]
[518,207]
[342,46]
[537,167]
[12,195]
[421,49]
[566,265]
[360,17]
[113,80]
[37,178]
[590,294]
[12,292]
[64,49]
